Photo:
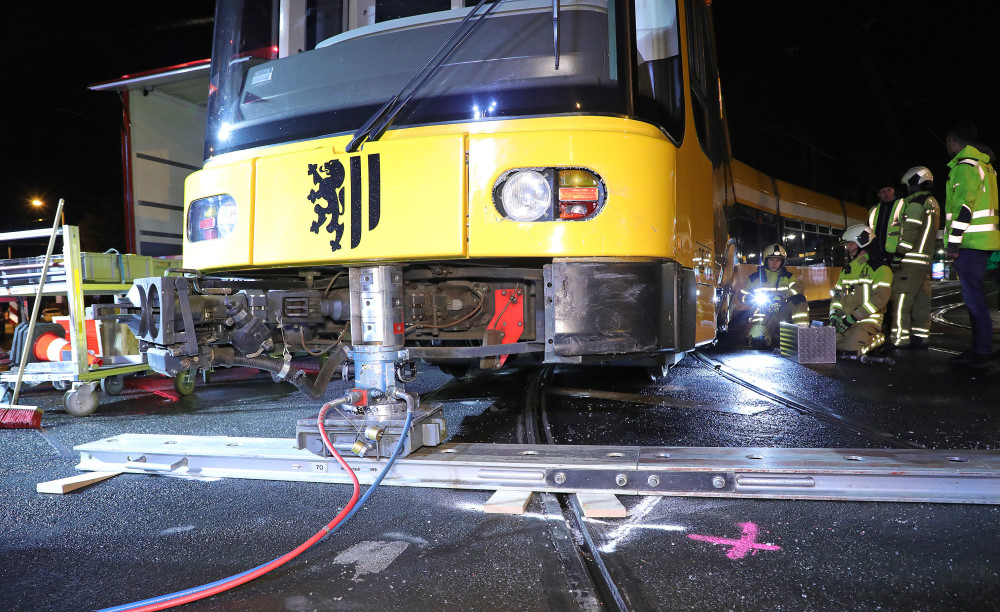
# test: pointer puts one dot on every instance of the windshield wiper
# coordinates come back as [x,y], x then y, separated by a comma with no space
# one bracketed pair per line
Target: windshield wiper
[555,30]
[379,122]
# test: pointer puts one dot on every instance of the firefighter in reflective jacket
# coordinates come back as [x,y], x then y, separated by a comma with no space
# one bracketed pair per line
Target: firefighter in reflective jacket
[860,295]
[776,296]
[972,232]
[911,253]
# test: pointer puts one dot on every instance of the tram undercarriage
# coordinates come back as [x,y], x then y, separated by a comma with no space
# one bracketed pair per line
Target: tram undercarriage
[369,324]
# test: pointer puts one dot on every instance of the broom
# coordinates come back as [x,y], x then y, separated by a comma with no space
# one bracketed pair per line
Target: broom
[21,417]
[13,416]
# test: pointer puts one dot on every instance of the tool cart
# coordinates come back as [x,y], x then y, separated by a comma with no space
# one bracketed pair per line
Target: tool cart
[75,275]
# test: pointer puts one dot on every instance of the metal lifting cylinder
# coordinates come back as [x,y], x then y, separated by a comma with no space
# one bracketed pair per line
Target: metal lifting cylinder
[377,332]
[374,423]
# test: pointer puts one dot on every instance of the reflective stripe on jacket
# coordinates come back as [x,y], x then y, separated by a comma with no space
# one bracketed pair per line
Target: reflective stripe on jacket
[862,291]
[919,223]
[782,283]
[971,217]
[890,241]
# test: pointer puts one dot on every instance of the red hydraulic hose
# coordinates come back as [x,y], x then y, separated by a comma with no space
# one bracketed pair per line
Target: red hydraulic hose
[170,603]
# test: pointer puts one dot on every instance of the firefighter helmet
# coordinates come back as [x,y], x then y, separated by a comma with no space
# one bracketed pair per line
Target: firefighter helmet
[918,178]
[775,250]
[861,235]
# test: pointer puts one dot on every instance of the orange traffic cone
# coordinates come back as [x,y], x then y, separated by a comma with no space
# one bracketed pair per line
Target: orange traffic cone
[50,347]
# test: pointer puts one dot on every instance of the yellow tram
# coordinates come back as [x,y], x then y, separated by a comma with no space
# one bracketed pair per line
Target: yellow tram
[539,178]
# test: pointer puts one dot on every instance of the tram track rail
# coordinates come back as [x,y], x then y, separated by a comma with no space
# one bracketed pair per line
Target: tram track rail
[801,406]
[584,562]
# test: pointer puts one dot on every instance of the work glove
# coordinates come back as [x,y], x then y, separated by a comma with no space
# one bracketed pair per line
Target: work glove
[846,323]
[775,304]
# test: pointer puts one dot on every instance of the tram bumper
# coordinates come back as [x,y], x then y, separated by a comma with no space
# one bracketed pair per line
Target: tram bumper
[618,307]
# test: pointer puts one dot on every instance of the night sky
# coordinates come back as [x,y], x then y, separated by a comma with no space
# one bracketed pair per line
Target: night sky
[63,139]
[839,96]
[844,97]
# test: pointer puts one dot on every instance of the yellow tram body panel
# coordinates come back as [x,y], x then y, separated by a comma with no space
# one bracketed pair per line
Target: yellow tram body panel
[635,162]
[432,191]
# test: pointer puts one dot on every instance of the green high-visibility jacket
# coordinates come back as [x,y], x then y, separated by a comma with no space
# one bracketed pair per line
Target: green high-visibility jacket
[781,283]
[971,217]
[918,229]
[862,291]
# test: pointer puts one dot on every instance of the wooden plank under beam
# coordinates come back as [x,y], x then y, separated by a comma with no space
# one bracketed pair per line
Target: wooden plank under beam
[601,505]
[65,485]
[508,502]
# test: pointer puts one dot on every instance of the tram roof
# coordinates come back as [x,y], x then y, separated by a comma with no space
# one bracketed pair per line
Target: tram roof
[764,192]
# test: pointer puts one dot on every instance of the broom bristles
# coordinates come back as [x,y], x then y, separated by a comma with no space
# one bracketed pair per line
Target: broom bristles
[20,417]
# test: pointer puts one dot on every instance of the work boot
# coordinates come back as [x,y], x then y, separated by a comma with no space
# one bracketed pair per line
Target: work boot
[962,358]
[978,361]
[917,344]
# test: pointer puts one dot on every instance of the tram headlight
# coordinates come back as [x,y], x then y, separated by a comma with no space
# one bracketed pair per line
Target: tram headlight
[549,194]
[211,218]
[527,195]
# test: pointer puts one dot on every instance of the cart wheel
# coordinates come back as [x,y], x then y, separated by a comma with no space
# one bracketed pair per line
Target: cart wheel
[184,383]
[80,402]
[113,385]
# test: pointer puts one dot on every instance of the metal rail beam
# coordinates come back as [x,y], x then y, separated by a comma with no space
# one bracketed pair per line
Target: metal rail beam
[908,475]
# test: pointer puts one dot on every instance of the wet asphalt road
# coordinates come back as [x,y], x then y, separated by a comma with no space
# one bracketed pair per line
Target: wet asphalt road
[135,536]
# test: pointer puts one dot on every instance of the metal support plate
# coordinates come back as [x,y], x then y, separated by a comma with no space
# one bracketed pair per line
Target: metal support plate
[943,476]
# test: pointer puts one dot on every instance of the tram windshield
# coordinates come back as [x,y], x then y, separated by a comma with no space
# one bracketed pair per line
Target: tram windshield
[299,69]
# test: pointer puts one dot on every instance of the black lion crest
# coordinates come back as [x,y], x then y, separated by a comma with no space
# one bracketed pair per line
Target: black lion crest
[330,181]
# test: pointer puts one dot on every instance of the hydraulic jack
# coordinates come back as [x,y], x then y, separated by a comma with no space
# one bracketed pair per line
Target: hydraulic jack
[371,419]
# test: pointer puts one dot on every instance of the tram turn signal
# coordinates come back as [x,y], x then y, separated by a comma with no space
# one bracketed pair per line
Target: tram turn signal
[549,194]
[211,218]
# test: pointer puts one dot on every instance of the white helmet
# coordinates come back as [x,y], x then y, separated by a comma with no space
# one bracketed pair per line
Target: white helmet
[775,250]
[916,176]
[861,235]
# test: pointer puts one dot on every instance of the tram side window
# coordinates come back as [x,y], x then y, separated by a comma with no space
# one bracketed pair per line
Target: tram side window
[661,95]
[824,246]
[746,231]
[791,237]
[756,230]
[810,244]
[324,18]
[706,108]
[387,10]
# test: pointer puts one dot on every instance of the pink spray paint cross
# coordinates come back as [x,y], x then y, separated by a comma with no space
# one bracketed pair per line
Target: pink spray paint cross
[739,548]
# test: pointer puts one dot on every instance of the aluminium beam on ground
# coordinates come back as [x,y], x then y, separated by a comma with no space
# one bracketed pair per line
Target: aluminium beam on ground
[899,475]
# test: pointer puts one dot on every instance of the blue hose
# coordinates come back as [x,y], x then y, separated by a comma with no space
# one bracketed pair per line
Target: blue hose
[357,506]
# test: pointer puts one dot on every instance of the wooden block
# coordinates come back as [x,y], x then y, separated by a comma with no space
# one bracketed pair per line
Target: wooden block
[508,502]
[65,485]
[601,505]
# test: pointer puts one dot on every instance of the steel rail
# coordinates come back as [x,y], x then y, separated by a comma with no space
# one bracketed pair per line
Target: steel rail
[808,408]
[535,427]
